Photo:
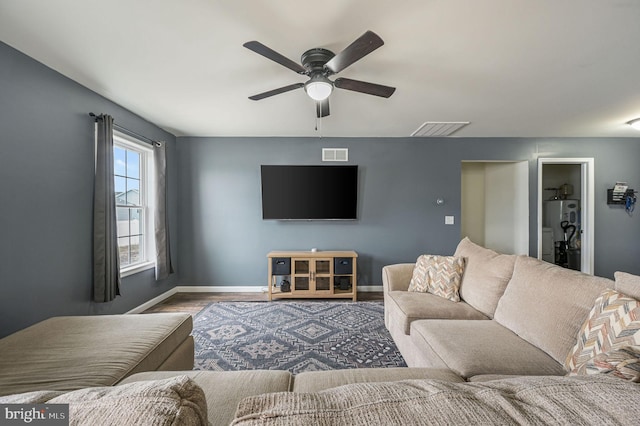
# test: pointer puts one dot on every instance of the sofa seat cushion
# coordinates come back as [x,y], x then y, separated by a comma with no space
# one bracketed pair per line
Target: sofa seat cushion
[486,275]
[174,401]
[546,304]
[68,353]
[225,389]
[471,348]
[408,306]
[315,381]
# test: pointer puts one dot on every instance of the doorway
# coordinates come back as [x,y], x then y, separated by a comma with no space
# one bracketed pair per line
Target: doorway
[565,212]
[495,205]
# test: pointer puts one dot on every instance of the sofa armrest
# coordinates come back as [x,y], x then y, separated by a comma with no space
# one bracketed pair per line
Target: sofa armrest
[397,277]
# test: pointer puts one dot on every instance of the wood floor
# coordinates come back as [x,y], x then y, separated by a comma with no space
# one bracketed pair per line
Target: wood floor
[194,302]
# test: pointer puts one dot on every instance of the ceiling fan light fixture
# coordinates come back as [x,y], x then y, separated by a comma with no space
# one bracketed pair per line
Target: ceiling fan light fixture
[634,123]
[318,88]
[318,65]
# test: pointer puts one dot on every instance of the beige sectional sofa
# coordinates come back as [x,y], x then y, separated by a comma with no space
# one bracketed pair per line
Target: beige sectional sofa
[510,333]
[131,369]
[517,315]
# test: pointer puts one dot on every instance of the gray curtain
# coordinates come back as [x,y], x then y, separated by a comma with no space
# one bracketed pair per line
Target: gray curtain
[163,251]
[106,262]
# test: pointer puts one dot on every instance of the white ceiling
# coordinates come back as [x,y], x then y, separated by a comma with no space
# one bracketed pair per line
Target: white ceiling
[510,67]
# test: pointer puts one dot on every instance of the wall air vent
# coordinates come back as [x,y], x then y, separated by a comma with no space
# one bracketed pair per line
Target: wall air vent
[335,154]
[432,129]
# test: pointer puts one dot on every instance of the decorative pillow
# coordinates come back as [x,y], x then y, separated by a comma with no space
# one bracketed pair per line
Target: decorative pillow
[439,275]
[613,323]
[174,401]
[623,363]
[419,279]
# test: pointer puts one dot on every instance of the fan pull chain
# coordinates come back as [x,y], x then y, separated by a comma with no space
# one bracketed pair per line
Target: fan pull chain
[319,120]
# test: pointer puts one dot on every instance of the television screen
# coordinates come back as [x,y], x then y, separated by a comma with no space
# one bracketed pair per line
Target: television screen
[309,192]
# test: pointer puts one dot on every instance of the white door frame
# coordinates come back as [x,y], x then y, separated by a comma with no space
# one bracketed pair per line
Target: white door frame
[587,197]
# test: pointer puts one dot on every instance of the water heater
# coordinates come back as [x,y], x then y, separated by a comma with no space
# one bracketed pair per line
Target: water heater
[558,211]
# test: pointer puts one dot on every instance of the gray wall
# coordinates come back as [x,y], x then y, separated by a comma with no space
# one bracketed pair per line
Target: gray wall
[46,174]
[46,191]
[223,241]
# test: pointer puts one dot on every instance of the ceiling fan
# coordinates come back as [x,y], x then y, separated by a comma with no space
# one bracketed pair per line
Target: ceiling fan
[319,64]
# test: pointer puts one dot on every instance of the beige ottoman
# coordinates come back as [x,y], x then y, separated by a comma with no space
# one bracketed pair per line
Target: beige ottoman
[68,353]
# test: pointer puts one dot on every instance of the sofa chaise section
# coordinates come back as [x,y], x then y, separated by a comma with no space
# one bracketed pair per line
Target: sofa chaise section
[68,353]
[404,308]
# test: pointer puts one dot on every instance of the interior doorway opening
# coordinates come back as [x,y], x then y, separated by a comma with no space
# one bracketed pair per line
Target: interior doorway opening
[565,212]
[495,205]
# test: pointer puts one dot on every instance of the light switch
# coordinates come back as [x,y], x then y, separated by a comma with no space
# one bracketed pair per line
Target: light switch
[449,220]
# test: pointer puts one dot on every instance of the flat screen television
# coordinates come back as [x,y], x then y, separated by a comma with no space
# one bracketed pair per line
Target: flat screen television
[309,192]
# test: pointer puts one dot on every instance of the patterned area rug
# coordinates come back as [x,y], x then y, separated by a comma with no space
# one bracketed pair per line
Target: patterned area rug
[293,336]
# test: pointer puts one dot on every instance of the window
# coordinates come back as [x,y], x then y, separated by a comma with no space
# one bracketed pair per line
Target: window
[134,207]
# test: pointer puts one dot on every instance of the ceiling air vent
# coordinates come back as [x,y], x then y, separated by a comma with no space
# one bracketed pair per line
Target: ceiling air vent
[439,128]
[335,154]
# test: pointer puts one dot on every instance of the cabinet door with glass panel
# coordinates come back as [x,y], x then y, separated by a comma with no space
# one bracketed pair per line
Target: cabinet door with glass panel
[311,275]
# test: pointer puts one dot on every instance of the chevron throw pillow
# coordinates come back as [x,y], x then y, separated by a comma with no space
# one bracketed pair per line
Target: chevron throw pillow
[623,363]
[613,323]
[418,281]
[439,275]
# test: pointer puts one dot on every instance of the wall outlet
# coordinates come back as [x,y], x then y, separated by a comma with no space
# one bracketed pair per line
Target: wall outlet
[449,220]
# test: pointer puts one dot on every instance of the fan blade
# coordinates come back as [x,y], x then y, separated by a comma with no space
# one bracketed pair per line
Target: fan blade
[364,87]
[322,108]
[367,43]
[276,91]
[268,53]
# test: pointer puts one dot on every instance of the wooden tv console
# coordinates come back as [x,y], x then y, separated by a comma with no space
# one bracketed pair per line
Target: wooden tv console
[312,274]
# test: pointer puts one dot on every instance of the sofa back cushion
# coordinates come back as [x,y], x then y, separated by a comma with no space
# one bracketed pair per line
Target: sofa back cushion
[628,284]
[546,304]
[486,275]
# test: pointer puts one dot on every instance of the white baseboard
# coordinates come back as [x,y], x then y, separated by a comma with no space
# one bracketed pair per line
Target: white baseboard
[220,289]
[248,289]
[369,288]
[148,304]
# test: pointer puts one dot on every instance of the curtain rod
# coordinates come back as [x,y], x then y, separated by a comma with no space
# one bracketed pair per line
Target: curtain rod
[130,132]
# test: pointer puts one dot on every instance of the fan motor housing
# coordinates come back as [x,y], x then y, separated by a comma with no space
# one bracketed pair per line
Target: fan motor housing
[314,59]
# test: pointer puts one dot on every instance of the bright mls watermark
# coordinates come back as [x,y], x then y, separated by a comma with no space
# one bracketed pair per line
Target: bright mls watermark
[34,414]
